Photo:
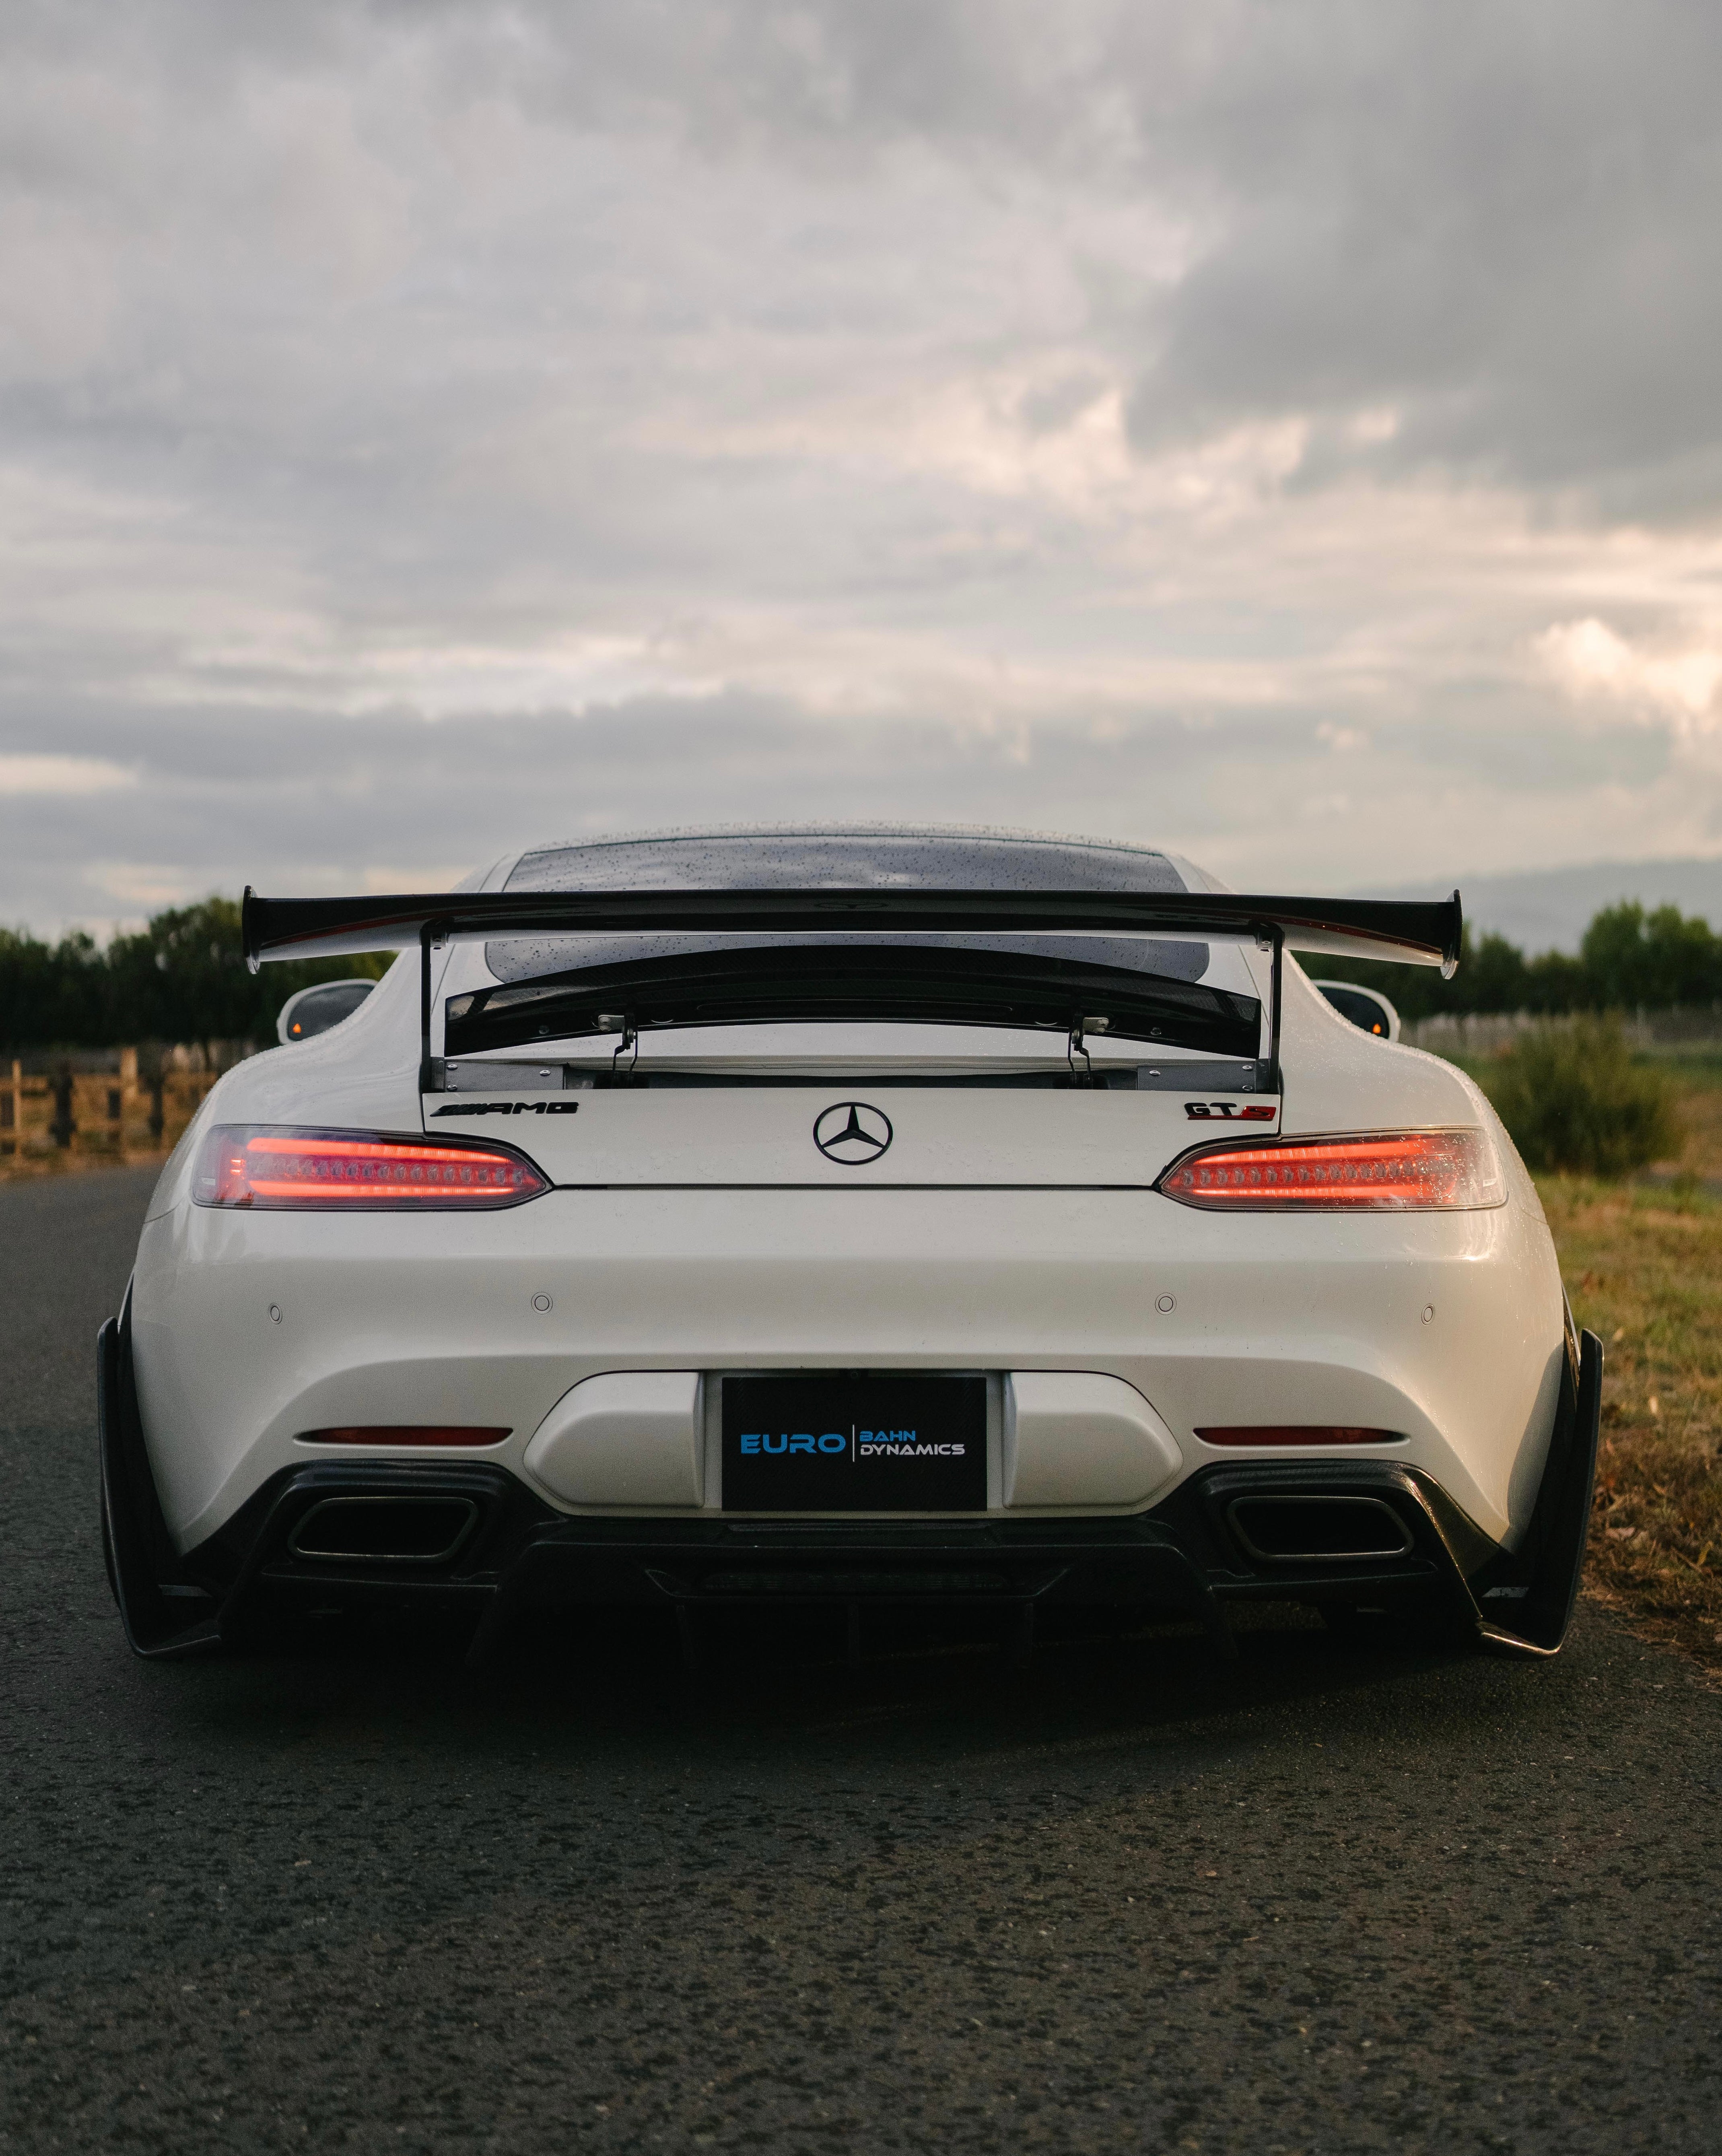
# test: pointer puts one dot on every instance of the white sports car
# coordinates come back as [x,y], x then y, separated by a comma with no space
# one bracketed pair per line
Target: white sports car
[843,1217]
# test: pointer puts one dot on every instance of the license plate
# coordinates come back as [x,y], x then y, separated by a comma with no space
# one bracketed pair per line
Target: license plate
[876,1441]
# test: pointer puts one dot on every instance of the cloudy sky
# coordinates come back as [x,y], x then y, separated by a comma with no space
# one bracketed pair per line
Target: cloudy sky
[1288,434]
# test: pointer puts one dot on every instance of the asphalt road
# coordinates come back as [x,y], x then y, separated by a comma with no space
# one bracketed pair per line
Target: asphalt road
[1317,1900]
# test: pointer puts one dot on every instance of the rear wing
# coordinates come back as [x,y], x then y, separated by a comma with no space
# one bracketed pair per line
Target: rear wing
[1421,932]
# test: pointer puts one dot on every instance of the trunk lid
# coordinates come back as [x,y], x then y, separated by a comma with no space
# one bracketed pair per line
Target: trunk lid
[854,1132]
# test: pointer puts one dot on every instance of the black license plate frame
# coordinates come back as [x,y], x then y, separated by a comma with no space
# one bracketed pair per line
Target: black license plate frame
[913,1441]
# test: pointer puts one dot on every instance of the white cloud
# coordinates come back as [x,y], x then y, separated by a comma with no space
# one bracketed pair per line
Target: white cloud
[441,875]
[144,884]
[33,776]
[1675,682]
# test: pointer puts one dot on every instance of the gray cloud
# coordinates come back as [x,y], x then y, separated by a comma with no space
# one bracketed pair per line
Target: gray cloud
[1499,220]
[297,799]
[1283,433]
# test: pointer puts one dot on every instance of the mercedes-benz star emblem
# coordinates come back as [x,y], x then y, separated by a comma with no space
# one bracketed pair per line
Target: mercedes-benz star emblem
[853,1134]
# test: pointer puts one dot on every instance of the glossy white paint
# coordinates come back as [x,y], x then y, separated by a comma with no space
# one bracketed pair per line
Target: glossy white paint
[760,1135]
[1339,1078]
[1077,1439]
[631,1439]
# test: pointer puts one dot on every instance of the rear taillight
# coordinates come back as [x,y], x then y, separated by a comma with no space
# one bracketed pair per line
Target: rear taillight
[1397,1172]
[267,1168]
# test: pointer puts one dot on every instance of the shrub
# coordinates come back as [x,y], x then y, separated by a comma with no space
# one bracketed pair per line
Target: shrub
[1573,1097]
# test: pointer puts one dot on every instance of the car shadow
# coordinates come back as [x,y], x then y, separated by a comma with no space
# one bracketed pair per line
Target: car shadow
[780,1688]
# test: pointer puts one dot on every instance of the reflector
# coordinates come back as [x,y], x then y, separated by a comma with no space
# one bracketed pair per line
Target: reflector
[267,1167]
[404,1433]
[1290,1433]
[1407,1171]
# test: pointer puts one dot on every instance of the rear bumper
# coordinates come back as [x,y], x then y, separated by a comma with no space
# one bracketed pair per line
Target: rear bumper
[471,1537]
[251,1329]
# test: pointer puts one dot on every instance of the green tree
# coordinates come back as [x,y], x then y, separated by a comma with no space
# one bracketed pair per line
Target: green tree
[1632,959]
[1556,982]
[182,978]
[1629,960]
[1494,977]
[51,993]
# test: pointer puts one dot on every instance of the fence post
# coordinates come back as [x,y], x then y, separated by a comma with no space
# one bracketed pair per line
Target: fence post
[151,1062]
[63,1126]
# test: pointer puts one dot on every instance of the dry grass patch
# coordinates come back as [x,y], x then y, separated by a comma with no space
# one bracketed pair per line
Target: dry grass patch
[1701,1115]
[1643,1268]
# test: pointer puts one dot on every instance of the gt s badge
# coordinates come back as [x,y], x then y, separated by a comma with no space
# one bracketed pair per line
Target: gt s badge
[1253,1111]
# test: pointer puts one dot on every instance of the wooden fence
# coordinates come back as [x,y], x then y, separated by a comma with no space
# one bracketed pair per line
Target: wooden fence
[127,1101]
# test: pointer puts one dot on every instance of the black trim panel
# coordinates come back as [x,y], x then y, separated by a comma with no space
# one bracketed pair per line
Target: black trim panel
[861,983]
[164,1612]
[1525,1599]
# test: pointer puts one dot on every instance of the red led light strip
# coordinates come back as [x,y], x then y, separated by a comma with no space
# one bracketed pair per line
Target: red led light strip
[1423,1170]
[349,1168]
[294,1169]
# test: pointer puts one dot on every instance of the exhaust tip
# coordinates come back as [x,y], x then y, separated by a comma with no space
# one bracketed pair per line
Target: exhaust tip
[362,1530]
[1294,1528]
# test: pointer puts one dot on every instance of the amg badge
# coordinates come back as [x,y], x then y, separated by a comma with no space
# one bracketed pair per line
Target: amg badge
[509,1108]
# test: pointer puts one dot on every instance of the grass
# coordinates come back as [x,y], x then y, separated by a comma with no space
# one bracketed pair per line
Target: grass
[1643,1268]
[1642,1264]
[1701,1110]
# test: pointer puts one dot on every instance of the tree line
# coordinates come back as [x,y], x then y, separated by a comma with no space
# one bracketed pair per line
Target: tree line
[184,979]
[1630,959]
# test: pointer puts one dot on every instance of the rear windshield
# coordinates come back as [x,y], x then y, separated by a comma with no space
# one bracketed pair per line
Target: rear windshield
[844,861]
[811,859]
